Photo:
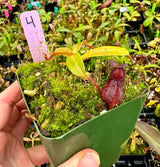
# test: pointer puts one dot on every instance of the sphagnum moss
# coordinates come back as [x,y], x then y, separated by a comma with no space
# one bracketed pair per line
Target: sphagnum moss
[62,100]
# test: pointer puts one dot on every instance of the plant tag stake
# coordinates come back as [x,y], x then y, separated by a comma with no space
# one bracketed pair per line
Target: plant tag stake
[34,35]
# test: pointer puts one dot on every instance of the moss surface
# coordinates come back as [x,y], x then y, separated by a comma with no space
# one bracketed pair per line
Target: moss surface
[62,100]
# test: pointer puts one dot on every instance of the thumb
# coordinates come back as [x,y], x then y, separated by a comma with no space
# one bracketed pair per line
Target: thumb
[84,158]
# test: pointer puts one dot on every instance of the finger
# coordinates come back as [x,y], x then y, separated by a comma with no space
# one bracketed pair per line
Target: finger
[21,105]
[38,155]
[8,99]
[12,94]
[84,158]
[21,127]
[16,114]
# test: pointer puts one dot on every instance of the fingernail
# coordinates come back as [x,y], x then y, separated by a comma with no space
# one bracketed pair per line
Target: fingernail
[89,160]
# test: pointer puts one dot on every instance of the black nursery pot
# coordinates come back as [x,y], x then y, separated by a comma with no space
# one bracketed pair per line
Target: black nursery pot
[134,161]
[50,7]
[8,61]
[141,38]
[148,115]
[133,25]
[152,32]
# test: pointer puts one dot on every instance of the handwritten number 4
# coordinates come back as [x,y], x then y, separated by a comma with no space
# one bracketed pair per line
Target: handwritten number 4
[30,21]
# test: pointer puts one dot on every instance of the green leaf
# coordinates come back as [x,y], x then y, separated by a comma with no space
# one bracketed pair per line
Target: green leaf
[78,35]
[1,53]
[126,15]
[75,48]
[134,19]
[147,2]
[133,145]
[157,110]
[157,89]
[135,14]
[76,65]
[89,22]
[83,28]
[63,51]
[149,134]
[148,13]
[151,65]
[117,22]
[105,51]
[103,25]
[62,29]
[117,35]
[148,21]
[137,44]
[158,18]
[68,41]
[153,80]
[72,7]
[2,44]
[151,103]
[122,24]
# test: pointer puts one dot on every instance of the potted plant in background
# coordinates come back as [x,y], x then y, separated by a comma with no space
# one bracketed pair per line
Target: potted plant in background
[136,152]
[151,135]
[152,19]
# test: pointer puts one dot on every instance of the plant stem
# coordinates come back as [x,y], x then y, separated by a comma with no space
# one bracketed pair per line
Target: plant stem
[95,84]
[49,58]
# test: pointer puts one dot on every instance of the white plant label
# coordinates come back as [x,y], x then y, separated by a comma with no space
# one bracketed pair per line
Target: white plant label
[34,34]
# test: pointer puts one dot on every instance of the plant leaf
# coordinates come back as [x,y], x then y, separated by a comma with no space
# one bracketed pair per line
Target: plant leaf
[117,35]
[89,22]
[76,65]
[133,145]
[27,139]
[137,44]
[158,18]
[157,89]
[149,134]
[152,102]
[153,80]
[105,51]
[122,24]
[126,15]
[63,51]
[85,27]
[148,21]
[62,29]
[151,65]
[157,110]
[2,44]
[75,48]
[1,54]
[103,25]
[135,14]
[147,2]
[78,35]
[148,13]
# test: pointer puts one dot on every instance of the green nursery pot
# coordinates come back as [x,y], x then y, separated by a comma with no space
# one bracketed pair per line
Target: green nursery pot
[107,134]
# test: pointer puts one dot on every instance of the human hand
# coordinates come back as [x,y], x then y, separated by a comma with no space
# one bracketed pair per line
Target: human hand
[13,126]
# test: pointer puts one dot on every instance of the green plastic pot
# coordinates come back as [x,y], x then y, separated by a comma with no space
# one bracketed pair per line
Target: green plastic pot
[107,134]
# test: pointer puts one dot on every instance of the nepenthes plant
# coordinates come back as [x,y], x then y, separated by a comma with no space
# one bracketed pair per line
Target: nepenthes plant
[112,93]
[68,108]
